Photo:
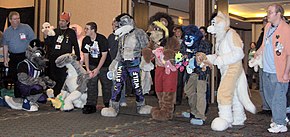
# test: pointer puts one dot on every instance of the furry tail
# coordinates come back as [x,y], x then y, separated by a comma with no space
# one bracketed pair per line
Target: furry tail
[243,94]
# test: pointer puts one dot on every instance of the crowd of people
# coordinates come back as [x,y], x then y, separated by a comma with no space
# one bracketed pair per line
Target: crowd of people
[99,52]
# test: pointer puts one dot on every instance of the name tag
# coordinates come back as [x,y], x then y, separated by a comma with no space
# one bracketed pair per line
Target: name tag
[22,36]
[57,46]
[60,39]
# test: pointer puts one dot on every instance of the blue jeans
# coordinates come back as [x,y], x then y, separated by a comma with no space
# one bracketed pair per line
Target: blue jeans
[275,95]
[265,105]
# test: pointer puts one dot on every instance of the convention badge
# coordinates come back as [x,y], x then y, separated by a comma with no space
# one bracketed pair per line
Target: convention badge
[60,39]
[57,46]
[67,38]
[22,36]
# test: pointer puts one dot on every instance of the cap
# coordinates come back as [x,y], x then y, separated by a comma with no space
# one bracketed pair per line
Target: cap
[65,16]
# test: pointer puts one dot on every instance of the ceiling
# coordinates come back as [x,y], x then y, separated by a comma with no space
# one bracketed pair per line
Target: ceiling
[251,9]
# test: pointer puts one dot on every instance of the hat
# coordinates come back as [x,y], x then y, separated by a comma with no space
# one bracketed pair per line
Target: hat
[65,16]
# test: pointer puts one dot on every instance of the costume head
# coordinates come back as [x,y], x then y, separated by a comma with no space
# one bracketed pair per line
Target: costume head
[36,54]
[65,16]
[125,24]
[160,27]
[219,23]
[77,28]
[65,59]
[192,36]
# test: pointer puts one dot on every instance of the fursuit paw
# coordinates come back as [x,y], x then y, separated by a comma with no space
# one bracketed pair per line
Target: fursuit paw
[239,120]
[67,107]
[155,109]
[162,115]
[109,112]
[219,124]
[146,109]
[12,104]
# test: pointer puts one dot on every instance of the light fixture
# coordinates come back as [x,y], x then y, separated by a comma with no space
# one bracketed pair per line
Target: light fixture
[180,21]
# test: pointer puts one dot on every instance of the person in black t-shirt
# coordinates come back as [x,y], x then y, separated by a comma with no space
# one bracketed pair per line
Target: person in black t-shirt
[64,41]
[97,61]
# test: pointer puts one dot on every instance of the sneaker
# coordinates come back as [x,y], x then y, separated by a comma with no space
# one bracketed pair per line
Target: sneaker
[29,106]
[274,124]
[278,129]
[187,115]
[196,121]
[123,104]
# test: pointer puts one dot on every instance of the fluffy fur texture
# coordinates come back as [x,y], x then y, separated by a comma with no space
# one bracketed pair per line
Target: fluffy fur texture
[73,92]
[32,84]
[164,46]
[232,92]
[256,62]
[131,41]
[47,26]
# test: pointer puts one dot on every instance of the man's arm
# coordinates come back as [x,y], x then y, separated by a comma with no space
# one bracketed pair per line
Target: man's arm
[86,55]
[76,46]
[5,54]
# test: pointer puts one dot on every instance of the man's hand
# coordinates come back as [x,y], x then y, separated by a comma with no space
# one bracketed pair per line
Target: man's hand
[94,73]
[6,63]
[286,76]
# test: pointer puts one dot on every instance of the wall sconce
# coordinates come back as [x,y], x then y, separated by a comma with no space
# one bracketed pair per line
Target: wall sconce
[180,21]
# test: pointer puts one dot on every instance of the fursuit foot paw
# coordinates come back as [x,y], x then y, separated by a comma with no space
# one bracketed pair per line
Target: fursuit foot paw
[146,109]
[68,107]
[162,115]
[219,124]
[89,109]
[109,112]
[155,109]
[12,104]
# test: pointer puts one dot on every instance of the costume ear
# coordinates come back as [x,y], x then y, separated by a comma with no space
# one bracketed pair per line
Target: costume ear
[34,43]
[164,21]
[183,28]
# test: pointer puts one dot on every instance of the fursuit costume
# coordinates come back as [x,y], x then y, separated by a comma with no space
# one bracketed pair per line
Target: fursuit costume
[31,82]
[131,41]
[74,91]
[232,94]
[196,76]
[163,46]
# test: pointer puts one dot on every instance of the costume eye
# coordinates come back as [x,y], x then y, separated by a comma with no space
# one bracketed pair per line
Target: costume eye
[156,29]
[191,37]
[185,36]
[212,22]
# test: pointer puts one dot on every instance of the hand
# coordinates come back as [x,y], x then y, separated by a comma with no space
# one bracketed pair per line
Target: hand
[286,77]
[6,63]
[207,63]
[256,55]
[94,73]
[45,33]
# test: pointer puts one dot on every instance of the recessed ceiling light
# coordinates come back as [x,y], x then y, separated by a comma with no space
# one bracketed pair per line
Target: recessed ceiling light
[262,9]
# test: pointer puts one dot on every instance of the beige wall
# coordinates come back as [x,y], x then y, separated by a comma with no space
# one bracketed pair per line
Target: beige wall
[100,11]
[16,3]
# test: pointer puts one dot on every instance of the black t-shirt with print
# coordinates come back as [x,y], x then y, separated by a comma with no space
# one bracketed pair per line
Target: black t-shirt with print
[95,49]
